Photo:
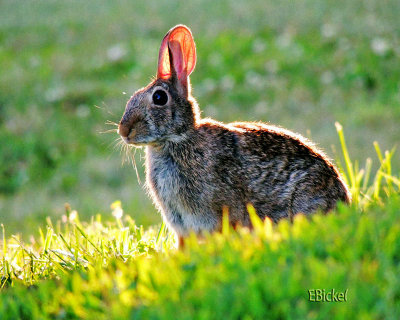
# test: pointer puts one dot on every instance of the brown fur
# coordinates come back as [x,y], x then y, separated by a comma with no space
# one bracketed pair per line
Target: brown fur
[197,166]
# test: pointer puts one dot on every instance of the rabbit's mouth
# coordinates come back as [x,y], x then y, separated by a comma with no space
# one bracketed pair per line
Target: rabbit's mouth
[136,141]
[127,133]
[138,134]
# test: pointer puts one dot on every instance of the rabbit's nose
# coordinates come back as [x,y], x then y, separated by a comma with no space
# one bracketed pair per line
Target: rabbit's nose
[123,130]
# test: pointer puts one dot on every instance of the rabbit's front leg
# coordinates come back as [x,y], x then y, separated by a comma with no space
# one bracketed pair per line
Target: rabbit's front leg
[175,222]
[181,242]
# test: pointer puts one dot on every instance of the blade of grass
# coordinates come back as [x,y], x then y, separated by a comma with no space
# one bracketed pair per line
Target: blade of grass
[4,241]
[346,156]
[160,233]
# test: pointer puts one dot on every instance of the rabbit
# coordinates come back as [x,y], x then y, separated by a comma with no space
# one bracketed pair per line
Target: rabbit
[195,167]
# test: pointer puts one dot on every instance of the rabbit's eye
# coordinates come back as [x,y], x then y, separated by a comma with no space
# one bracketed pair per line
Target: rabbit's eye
[160,97]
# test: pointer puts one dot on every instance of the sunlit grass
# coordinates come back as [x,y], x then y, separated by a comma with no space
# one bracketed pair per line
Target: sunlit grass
[70,245]
[366,187]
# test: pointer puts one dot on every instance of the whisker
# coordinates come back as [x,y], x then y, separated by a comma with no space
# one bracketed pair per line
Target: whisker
[127,153]
[108,131]
[118,143]
[114,145]
[133,161]
[107,109]
[111,123]
[110,112]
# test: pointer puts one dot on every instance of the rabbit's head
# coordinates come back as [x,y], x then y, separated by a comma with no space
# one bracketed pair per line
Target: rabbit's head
[164,110]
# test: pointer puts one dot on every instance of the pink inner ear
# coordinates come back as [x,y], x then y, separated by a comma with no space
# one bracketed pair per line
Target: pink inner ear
[180,42]
[178,59]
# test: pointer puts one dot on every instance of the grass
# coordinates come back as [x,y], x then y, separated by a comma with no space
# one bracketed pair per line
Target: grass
[233,275]
[98,270]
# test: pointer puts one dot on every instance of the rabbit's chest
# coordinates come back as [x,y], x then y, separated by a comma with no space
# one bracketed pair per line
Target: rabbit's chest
[179,195]
[168,183]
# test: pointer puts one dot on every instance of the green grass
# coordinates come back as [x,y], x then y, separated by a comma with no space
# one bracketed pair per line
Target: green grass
[299,65]
[114,270]
[108,272]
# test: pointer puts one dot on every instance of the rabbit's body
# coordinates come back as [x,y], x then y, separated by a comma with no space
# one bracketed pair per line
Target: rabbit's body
[218,165]
[196,167]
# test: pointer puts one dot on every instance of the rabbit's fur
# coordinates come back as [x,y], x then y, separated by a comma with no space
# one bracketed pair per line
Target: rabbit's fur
[195,167]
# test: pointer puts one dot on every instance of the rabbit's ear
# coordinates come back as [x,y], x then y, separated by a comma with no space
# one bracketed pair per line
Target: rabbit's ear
[177,56]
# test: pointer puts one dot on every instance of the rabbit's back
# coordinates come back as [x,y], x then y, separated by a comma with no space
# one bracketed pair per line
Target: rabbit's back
[286,174]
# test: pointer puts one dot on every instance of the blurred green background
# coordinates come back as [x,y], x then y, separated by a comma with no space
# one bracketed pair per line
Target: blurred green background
[68,67]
